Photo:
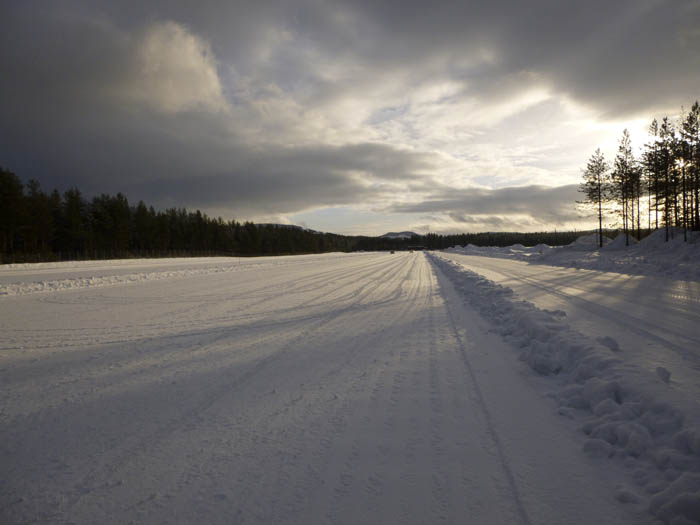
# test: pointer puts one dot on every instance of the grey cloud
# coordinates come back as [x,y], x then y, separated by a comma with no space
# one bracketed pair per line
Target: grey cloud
[618,56]
[493,222]
[614,55]
[64,124]
[63,120]
[246,195]
[475,205]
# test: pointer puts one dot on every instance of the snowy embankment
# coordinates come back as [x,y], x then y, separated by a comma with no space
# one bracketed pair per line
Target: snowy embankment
[628,414]
[651,256]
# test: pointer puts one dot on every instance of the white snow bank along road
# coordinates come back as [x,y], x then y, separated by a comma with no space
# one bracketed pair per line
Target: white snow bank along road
[628,413]
[347,389]
[653,255]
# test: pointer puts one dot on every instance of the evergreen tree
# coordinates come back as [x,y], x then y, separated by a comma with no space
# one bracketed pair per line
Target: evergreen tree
[595,187]
[623,183]
[40,222]
[690,139]
[75,222]
[667,160]
[12,210]
[652,171]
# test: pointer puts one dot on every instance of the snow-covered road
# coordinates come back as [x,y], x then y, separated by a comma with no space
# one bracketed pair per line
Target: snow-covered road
[319,389]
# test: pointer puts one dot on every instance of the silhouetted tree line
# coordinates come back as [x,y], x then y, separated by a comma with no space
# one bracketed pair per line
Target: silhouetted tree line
[39,226]
[663,184]
[433,241]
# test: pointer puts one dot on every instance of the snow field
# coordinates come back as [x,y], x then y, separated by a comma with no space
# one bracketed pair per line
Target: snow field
[344,389]
[628,414]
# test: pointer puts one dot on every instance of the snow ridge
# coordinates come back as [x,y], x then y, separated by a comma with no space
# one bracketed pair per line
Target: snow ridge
[107,280]
[625,412]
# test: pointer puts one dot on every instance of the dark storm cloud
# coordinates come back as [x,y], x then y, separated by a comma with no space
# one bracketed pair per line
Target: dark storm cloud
[215,104]
[285,181]
[62,125]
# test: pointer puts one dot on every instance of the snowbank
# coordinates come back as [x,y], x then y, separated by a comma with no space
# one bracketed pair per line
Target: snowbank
[628,415]
[588,242]
[516,251]
[650,256]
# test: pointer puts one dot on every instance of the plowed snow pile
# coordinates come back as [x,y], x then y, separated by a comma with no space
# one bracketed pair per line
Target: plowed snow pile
[650,256]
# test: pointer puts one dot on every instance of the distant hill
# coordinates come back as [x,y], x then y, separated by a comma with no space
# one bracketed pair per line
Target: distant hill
[398,235]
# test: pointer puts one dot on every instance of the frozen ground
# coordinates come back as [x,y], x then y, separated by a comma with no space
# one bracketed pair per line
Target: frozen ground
[365,388]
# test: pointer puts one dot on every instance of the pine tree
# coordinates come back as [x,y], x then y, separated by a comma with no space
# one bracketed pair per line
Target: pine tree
[666,161]
[12,210]
[652,174]
[623,182]
[595,187]
[690,139]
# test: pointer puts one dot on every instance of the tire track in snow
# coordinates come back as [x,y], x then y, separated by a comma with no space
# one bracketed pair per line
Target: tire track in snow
[135,366]
[414,443]
[46,338]
[394,455]
[440,481]
[329,430]
[324,453]
[210,337]
[125,455]
[483,407]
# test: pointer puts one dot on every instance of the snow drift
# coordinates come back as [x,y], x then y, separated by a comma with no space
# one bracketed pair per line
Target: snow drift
[650,256]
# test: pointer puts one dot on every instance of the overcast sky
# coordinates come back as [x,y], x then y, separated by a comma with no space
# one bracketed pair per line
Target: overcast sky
[352,117]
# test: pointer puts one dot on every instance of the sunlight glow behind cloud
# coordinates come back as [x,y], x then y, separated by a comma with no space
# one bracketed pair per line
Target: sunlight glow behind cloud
[175,71]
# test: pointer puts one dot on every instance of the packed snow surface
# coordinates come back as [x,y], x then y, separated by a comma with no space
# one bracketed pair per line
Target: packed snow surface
[361,388]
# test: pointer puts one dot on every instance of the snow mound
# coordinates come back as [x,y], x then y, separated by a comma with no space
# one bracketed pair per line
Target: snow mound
[657,238]
[516,251]
[587,242]
[624,411]
[653,255]
[621,242]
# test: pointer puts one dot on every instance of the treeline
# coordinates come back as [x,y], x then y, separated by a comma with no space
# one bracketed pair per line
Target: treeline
[434,241]
[39,226]
[661,188]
